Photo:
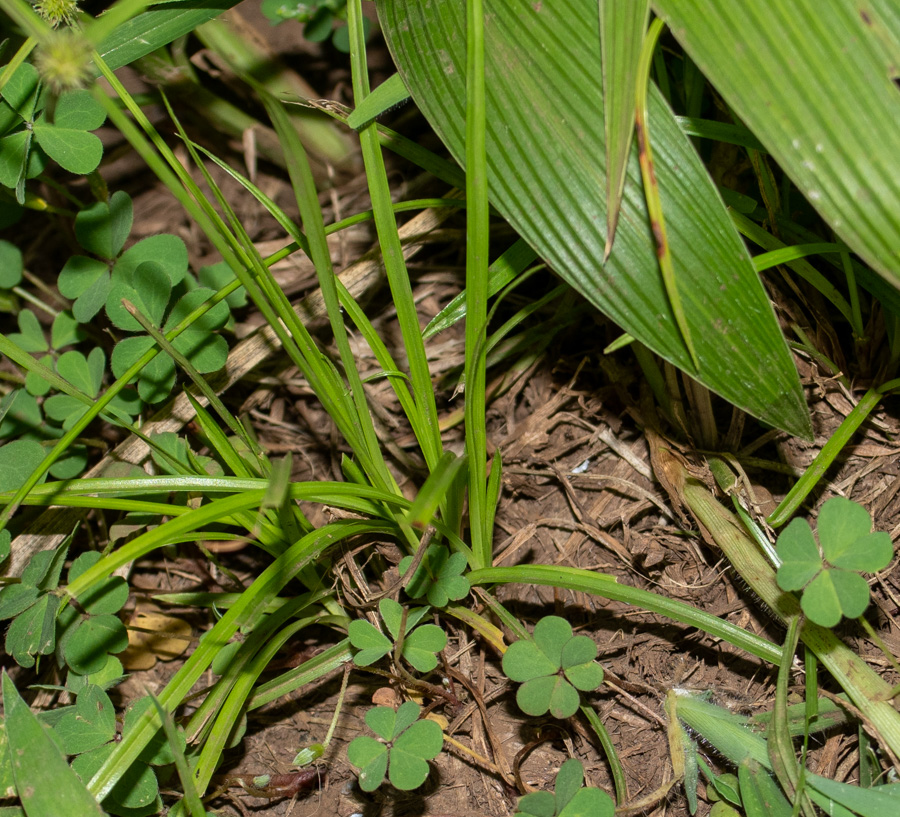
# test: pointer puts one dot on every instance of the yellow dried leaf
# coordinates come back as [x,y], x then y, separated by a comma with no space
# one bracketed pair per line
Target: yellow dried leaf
[152,637]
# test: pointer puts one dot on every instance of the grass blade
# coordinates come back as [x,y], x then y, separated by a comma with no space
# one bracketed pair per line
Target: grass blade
[587,581]
[477,243]
[651,191]
[392,252]
[191,797]
[389,94]
[158,27]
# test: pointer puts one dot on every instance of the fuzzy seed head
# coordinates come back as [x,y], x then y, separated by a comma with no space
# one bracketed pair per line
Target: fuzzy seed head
[57,12]
[64,60]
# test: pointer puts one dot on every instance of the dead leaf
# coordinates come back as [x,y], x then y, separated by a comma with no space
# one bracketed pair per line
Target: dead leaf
[153,637]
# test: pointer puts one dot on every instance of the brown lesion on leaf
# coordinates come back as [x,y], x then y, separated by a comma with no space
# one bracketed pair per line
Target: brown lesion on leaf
[659,236]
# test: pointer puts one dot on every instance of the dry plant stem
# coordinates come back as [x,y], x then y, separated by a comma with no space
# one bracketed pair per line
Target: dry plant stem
[54,524]
[501,762]
[867,690]
[526,750]
[410,682]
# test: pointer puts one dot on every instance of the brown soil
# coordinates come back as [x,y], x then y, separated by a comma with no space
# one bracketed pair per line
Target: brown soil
[578,490]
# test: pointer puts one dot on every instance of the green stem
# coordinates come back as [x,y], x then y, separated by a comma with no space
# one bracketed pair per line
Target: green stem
[477,248]
[802,488]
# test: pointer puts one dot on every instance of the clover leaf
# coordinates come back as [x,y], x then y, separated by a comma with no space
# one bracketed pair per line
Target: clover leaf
[419,644]
[406,745]
[22,417]
[11,265]
[206,350]
[89,724]
[439,576]
[551,668]
[19,459]
[103,228]
[28,136]
[570,799]
[86,281]
[30,336]
[34,606]
[828,572]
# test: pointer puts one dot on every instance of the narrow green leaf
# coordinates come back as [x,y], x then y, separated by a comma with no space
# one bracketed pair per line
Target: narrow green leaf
[46,785]
[188,784]
[477,250]
[652,193]
[622,30]
[158,27]
[501,272]
[723,729]
[432,492]
[760,793]
[780,747]
[606,586]
[389,94]
[871,802]
[426,422]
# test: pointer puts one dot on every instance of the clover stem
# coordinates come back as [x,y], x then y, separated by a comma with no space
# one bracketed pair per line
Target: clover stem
[337,709]
[479,759]
[405,678]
